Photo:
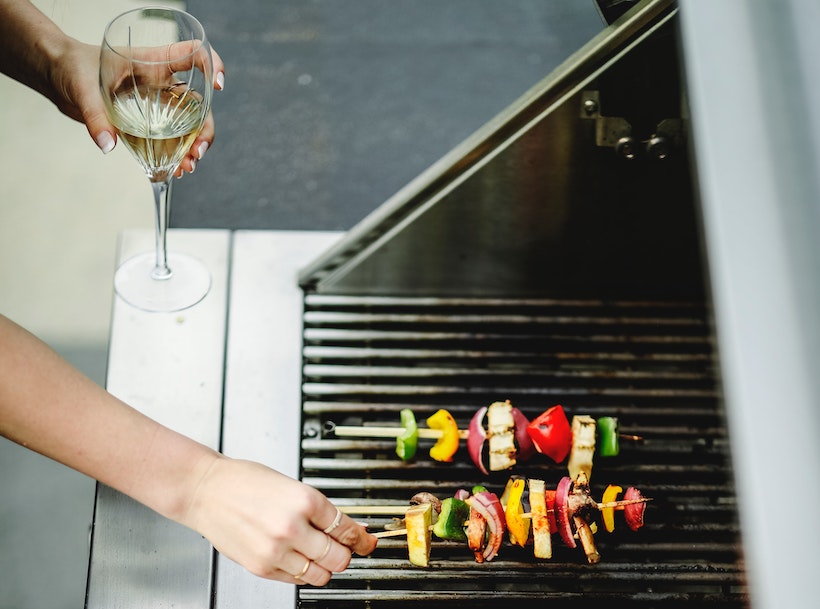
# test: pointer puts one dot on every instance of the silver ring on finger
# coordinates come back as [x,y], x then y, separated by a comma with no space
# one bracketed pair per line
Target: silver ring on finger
[336,522]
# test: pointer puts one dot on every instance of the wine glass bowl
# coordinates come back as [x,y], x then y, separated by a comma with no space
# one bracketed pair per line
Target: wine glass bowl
[156,75]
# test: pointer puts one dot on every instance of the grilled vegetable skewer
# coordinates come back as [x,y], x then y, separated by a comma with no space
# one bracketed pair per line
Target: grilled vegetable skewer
[482,519]
[499,436]
[400,510]
[614,505]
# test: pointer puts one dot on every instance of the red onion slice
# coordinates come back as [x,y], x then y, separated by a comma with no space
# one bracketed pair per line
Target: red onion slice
[477,439]
[526,448]
[488,505]
[633,512]
[562,516]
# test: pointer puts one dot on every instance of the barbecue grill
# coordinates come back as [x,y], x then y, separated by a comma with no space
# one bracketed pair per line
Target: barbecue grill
[648,363]
[555,257]
[552,259]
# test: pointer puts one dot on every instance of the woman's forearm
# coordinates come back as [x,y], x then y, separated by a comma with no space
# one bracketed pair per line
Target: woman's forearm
[48,406]
[29,41]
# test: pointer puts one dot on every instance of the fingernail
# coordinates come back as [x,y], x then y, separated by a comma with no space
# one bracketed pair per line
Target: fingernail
[203,148]
[220,80]
[105,142]
[193,165]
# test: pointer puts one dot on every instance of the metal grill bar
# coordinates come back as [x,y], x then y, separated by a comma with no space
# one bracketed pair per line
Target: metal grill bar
[649,364]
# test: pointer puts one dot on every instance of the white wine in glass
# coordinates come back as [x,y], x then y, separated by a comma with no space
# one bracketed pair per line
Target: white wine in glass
[156,77]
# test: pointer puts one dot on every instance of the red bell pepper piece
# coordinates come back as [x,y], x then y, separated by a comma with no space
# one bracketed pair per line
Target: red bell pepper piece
[551,433]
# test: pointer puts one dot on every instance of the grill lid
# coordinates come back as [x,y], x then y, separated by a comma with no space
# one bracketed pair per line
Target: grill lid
[583,181]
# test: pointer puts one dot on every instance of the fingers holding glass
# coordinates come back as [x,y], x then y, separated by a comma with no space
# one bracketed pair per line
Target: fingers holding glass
[182,57]
[198,149]
[219,70]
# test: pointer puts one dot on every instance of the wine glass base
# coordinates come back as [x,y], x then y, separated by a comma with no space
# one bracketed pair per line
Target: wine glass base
[188,284]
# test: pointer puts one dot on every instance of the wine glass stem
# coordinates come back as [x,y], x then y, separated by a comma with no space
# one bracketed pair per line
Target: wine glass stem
[162,199]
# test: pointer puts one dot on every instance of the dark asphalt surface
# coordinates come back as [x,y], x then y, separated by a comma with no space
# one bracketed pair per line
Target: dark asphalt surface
[332,106]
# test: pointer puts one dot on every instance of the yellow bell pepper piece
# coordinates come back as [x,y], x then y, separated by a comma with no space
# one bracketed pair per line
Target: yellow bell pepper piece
[518,527]
[505,495]
[608,514]
[419,519]
[447,445]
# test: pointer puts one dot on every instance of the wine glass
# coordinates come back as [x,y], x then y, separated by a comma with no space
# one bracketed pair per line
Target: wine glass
[156,75]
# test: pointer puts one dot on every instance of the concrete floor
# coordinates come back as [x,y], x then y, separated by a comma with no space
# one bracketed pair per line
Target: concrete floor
[62,206]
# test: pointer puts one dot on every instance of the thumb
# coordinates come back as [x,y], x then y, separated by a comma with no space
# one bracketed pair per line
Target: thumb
[101,131]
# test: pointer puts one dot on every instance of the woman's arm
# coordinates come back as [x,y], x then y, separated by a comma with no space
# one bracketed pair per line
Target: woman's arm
[49,407]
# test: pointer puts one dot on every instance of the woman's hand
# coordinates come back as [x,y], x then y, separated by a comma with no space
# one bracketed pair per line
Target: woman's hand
[273,525]
[73,86]
[74,89]
[37,53]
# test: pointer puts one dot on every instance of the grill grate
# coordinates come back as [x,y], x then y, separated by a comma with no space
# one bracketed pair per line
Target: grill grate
[651,364]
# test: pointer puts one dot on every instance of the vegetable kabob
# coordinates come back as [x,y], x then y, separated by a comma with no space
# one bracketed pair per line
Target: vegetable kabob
[482,519]
[499,436]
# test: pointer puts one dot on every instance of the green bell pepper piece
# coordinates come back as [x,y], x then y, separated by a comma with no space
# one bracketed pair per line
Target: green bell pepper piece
[607,437]
[450,523]
[408,441]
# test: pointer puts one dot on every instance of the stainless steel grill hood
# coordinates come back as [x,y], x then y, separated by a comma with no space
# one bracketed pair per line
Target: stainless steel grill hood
[582,185]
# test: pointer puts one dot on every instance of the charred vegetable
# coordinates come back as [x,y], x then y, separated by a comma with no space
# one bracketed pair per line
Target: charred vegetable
[583,446]
[503,442]
[541,533]
[487,505]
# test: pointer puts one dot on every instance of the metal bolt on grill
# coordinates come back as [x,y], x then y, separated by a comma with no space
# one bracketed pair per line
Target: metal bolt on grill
[651,364]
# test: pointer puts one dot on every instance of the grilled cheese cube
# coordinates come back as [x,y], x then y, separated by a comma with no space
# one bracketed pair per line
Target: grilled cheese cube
[501,436]
[541,538]
[583,446]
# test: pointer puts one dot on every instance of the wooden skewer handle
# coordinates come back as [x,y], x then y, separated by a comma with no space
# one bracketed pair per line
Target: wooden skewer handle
[374,510]
[396,533]
[353,431]
[623,502]
[617,505]
[367,431]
